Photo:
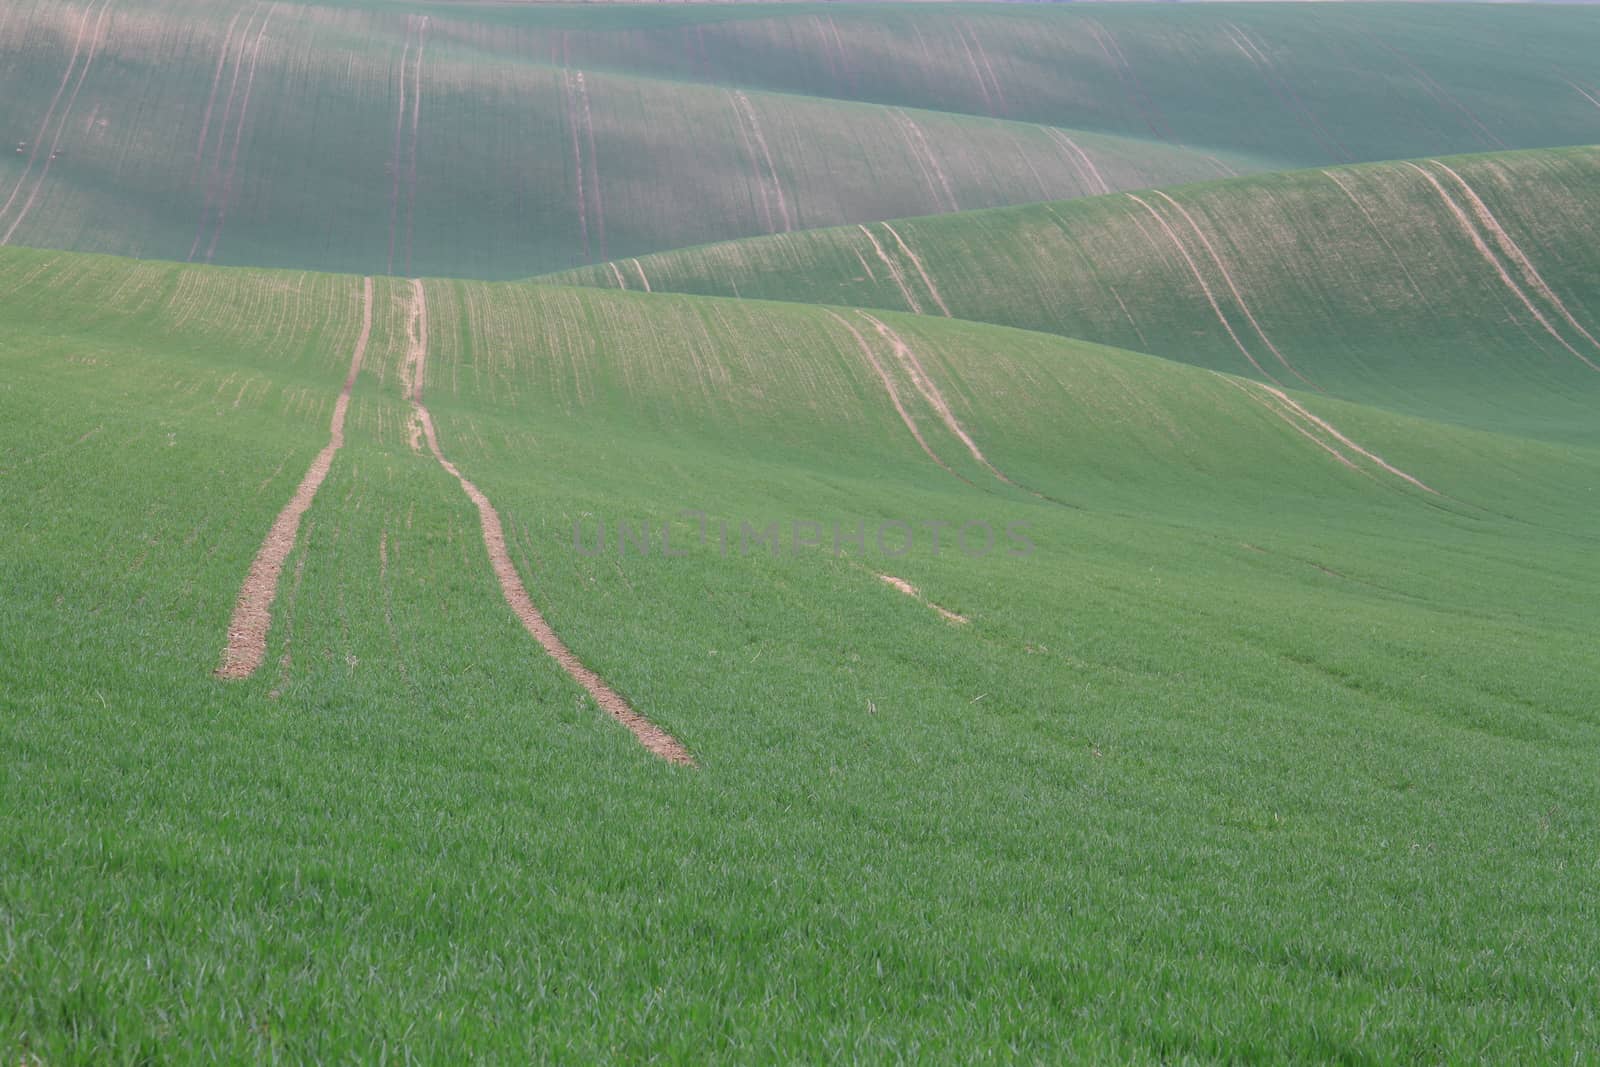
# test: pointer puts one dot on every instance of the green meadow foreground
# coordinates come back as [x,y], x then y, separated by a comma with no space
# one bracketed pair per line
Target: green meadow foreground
[797,533]
[1279,745]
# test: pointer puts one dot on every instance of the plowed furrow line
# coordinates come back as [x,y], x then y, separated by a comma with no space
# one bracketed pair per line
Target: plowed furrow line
[651,736]
[252,612]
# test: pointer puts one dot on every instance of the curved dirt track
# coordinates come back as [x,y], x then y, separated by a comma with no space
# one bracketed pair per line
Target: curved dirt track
[252,612]
[611,702]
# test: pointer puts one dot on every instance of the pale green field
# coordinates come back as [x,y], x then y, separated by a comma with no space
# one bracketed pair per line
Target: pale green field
[1256,756]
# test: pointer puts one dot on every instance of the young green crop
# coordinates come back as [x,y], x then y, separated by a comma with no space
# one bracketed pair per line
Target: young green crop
[1255,757]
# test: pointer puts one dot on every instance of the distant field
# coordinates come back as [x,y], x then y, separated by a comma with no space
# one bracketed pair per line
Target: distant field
[1327,730]
[504,141]
[1467,289]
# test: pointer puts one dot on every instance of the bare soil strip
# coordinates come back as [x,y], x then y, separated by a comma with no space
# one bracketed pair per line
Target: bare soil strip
[930,392]
[1194,268]
[394,155]
[933,160]
[570,106]
[652,737]
[1488,256]
[1090,170]
[594,166]
[1510,247]
[761,141]
[83,72]
[44,124]
[894,270]
[1333,431]
[755,167]
[216,80]
[922,272]
[1373,222]
[977,75]
[1581,91]
[252,612]
[222,138]
[1285,91]
[911,591]
[1234,289]
[416,119]
[983,56]
[894,393]
[617,275]
[1287,417]
[645,281]
[238,132]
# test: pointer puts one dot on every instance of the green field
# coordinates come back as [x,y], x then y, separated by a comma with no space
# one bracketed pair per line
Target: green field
[1247,709]
[503,141]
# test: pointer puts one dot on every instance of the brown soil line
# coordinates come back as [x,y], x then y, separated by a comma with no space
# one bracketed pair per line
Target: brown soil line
[222,139]
[894,270]
[916,261]
[394,155]
[1509,246]
[1488,256]
[1194,268]
[894,394]
[930,392]
[911,591]
[216,80]
[416,119]
[44,125]
[238,133]
[94,47]
[252,612]
[1238,297]
[651,736]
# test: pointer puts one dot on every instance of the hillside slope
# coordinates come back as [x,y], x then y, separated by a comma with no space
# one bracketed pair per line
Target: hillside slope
[1296,690]
[1466,288]
[503,141]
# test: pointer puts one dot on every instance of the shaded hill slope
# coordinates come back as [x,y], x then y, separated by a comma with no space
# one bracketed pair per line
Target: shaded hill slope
[1466,289]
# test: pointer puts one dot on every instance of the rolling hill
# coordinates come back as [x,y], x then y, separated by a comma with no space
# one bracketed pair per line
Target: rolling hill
[961,533]
[513,140]
[1462,289]
[1225,678]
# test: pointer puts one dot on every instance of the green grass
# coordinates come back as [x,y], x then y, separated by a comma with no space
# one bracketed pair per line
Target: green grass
[1363,278]
[501,138]
[1255,758]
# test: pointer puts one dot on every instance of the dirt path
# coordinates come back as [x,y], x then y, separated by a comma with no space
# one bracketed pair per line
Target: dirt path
[922,272]
[652,737]
[1487,255]
[66,114]
[1080,160]
[911,591]
[1373,222]
[894,393]
[394,155]
[643,279]
[212,179]
[416,120]
[594,166]
[44,124]
[1309,425]
[1238,297]
[1510,247]
[930,392]
[926,152]
[1194,268]
[211,100]
[766,154]
[570,107]
[252,612]
[238,132]
[894,270]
